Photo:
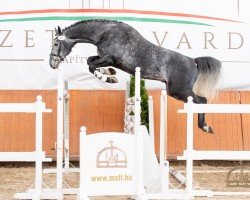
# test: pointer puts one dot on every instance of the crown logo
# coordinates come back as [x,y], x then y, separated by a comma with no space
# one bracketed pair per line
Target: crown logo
[111,157]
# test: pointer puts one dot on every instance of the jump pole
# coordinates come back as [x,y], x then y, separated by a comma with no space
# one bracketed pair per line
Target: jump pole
[151,120]
[176,174]
[62,141]
[138,132]
[59,143]
[39,146]
[66,127]
[163,144]
[62,90]
[190,146]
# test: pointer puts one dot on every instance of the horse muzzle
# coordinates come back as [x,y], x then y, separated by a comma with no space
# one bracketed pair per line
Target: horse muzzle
[54,62]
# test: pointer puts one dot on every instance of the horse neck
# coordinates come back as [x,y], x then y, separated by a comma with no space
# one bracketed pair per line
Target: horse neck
[88,32]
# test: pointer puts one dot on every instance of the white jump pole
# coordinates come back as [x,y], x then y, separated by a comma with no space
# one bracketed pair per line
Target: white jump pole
[173,172]
[138,132]
[162,128]
[151,120]
[83,168]
[39,148]
[66,127]
[60,126]
[163,144]
[63,125]
[62,141]
[190,146]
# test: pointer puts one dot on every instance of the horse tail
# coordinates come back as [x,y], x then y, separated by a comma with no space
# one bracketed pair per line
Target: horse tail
[209,73]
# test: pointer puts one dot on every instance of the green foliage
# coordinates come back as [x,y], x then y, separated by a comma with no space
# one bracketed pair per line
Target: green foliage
[144,100]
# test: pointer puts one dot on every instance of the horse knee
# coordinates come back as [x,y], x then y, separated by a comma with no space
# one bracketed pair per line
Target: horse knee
[92,59]
[92,68]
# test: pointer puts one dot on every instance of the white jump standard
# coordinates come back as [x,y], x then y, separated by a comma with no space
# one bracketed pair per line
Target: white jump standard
[37,156]
[62,142]
[63,164]
[120,159]
[190,154]
[114,163]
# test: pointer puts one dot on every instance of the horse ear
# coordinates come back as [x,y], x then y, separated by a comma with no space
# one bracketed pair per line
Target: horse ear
[56,31]
[59,30]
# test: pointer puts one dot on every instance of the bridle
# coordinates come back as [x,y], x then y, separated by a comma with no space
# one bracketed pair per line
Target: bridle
[59,49]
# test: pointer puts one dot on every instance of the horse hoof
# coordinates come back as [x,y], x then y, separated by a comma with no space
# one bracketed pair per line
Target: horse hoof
[208,129]
[112,79]
[111,71]
[102,70]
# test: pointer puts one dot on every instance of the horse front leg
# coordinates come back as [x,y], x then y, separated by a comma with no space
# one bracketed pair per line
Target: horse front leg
[92,59]
[109,71]
[104,78]
[101,73]
[97,61]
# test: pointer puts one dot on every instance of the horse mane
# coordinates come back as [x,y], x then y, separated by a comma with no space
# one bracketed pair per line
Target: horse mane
[89,20]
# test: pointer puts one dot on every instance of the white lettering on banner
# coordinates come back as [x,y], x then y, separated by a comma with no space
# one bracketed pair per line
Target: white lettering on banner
[184,40]
[52,34]
[237,35]
[29,39]
[6,39]
[232,40]
[5,34]
[75,59]
[157,39]
[208,39]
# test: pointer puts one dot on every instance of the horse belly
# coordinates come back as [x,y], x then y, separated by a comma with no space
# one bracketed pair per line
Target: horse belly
[153,73]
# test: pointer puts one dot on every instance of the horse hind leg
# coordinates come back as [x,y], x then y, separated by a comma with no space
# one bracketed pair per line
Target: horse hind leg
[201,116]
[99,62]
[196,99]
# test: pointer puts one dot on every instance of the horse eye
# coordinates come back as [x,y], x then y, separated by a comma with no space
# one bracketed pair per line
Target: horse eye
[55,44]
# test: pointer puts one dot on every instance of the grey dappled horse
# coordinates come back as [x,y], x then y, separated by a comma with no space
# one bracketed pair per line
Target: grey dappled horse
[121,46]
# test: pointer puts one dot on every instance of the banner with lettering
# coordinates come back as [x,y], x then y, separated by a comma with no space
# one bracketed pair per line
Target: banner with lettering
[194,28]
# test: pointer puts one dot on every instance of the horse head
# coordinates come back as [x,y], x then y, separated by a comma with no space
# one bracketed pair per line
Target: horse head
[61,48]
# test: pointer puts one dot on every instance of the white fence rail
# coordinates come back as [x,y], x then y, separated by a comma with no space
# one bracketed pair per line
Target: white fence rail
[190,154]
[37,156]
